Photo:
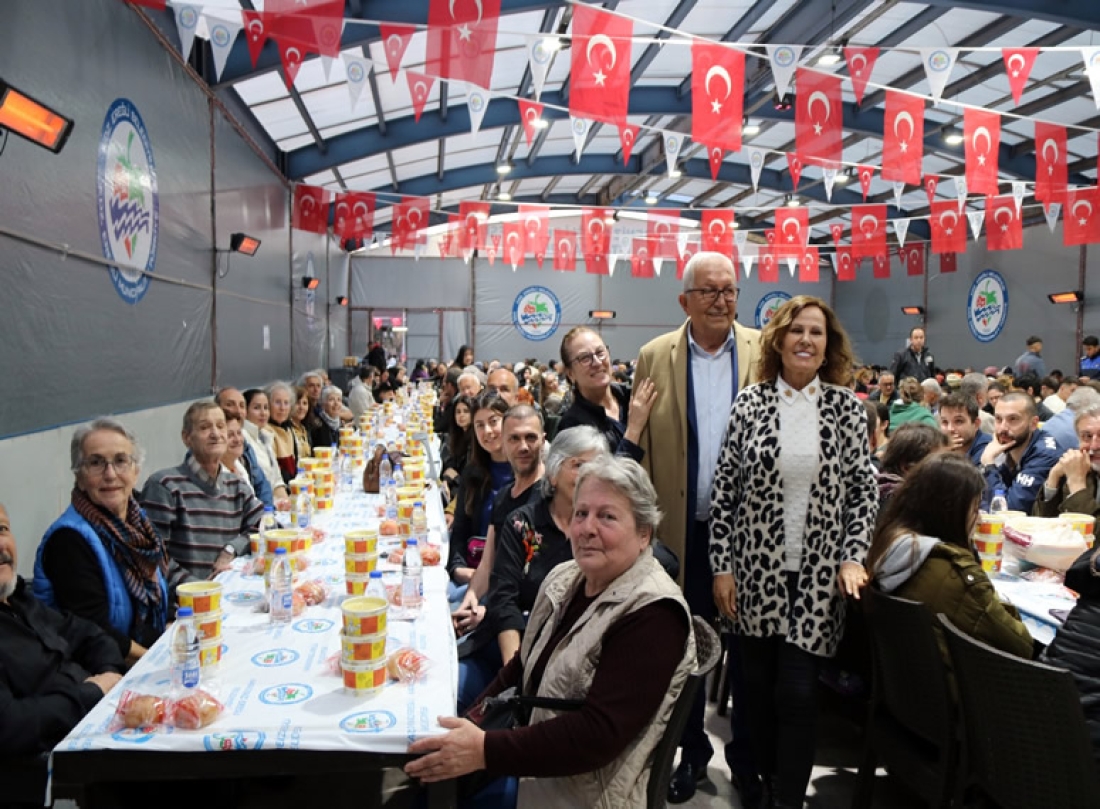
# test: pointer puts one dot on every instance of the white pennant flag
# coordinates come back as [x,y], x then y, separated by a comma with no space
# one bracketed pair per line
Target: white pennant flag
[784,60]
[657,262]
[539,57]
[747,259]
[792,265]
[477,101]
[976,218]
[901,228]
[938,63]
[829,176]
[187,20]
[222,36]
[356,69]
[899,189]
[740,238]
[756,164]
[1091,56]
[674,141]
[836,263]
[580,127]
[1019,188]
[681,242]
[418,248]
[612,260]
[960,190]
[326,65]
[1052,211]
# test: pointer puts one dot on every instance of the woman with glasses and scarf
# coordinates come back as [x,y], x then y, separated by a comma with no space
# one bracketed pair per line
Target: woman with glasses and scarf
[597,401]
[103,559]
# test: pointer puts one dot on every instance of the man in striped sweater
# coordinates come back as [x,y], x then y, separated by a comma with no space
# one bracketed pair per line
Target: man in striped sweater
[204,512]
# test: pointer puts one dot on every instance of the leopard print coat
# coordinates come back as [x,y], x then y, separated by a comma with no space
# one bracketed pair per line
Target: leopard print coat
[747,517]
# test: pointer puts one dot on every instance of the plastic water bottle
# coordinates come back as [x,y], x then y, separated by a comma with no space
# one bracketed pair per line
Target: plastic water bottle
[398,475]
[347,473]
[375,587]
[390,493]
[412,580]
[185,653]
[281,589]
[419,521]
[303,511]
[999,504]
[267,522]
[385,468]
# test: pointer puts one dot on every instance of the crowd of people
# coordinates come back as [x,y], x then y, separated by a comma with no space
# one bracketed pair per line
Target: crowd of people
[759,479]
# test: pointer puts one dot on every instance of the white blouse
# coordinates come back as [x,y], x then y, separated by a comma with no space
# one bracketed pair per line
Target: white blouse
[799,451]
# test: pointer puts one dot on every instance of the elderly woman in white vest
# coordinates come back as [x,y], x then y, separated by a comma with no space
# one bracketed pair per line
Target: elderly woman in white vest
[610,616]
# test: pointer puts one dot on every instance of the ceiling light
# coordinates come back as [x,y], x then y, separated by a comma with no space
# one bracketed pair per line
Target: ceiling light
[503,196]
[504,168]
[243,243]
[750,128]
[650,199]
[611,218]
[952,137]
[843,177]
[28,119]
[792,201]
[829,58]
[540,123]
[552,44]
[1075,296]
[736,224]
[912,310]
[602,314]
[675,174]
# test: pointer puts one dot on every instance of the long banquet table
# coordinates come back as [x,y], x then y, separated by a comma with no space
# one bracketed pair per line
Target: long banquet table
[285,711]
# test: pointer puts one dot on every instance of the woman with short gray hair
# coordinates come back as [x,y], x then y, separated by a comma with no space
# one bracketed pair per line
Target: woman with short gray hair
[327,433]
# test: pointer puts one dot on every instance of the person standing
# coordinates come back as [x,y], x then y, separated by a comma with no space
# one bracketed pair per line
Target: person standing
[915,360]
[698,368]
[1031,361]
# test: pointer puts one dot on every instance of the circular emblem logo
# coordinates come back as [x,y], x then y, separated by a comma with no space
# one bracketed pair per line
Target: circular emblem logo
[580,126]
[476,102]
[355,72]
[368,722]
[274,657]
[939,60]
[235,740]
[241,597]
[756,159]
[126,193]
[541,53]
[784,56]
[768,306]
[219,35]
[140,735]
[536,313]
[188,17]
[311,626]
[987,306]
[286,694]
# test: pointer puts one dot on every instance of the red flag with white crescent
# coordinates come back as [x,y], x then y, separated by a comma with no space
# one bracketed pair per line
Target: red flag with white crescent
[914,258]
[794,164]
[808,265]
[868,230]
[1018,64]
[792,230]
[536,229]
[595,231]
[395,40]
[596,264]
[409,219]
[628,136]
[717,230]
[880,265]
[690,249]
[983,140]
[512,249]
[836,230]
[599,76]
[255,33]
[866,174]
[662,229]
[715,156]
[1004,229]
[1051,174]
[1081,217]
[641,259]
[861,61]
[310,211]
[818,114]
[767,266]
[769,237]
[845,264]
[475,224]
[493,248]
[291,55]
[949,262]
[353,215]
[449,243]
[948,228]
[903,138]
[420,85]
[930,183]
[717,94]
[462,40]
[529,113]
[565,250]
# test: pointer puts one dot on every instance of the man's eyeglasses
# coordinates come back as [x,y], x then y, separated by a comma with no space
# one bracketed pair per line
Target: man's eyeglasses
[590,358]
[710,295]
[97,465]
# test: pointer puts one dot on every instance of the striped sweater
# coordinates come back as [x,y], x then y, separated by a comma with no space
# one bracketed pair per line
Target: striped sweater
[198,515]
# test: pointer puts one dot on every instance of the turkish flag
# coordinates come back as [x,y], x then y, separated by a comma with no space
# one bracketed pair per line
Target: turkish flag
[1081,217]
[599,77]
[291,55]
[565,250]
[536,229]
[769,236]
[420,86]
[903,138]
[845,265]
[949,262]
[353,215]
[930,183]
[529,113]
[866,174]
[596,264]
[792,230]
[768,266]
[861,61]
[493,248]
[1050,162]
[513,249]
[868,230]
[690,249]
[255,33]
[836,230]
[300,27]
[628,136]
[717,231]
[409,218]
[913,255]
[880,265]
[449,243]
[717,95]
[395,40]
[595,232]
[475,224]
[715,156]
[807,266]
[1018,64]
[948,228]
[818,115]
[983,140]
[794,164]
[662,228]
[462,39]
[1004,229]
[641,259]
[310,210]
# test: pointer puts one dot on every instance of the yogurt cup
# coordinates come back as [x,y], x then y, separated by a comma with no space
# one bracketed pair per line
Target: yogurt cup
[1083,524]
[210,652]
[201,596]
[362,648]
[364,616]
[364,679]
[360,564]
[209,626]
[289,539]
[991,563]
[361,541]
[989,544]
[356,584]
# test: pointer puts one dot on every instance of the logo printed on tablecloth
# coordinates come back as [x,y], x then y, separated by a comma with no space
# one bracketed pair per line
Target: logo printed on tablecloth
[275,657]
[235,740]
[140,735]
[244,597]
[312,626]
[368,722]
[286,694]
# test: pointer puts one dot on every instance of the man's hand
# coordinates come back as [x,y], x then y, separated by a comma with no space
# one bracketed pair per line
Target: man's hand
[956,443]
[223,562]
[1076,465]
[106,681]
[993,450]
[725,595]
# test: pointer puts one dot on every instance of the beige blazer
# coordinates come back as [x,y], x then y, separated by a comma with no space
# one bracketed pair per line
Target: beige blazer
[665,438]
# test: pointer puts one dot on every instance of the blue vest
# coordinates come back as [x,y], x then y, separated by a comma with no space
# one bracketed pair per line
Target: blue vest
[120,608]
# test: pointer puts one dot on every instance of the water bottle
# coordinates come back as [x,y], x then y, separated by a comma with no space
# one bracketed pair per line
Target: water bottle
[389,491]
[347,473]
[267,523]
[280,589]
[385,468]
[412,580]
[398,475]
[185,654]
[419,521]
[999,504]
[375,587]
[303,511]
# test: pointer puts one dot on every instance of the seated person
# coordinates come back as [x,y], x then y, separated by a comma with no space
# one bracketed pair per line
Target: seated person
[921,551]
[103,559]
[327,432]
[232,403]
[1071,484]
[1020,456]
[454,453]
[203,512]
[962,424]
[594,619]
[910,406]
[234,449]
[54,667]
[910,444]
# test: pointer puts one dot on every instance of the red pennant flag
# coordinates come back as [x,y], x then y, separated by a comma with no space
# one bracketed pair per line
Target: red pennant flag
[868,230]
[255,33]
[1081,217]
[845,266]
[880,265]
[983,140]
[717,95]
[599,78]
[817,113]
[596,264]
[836,230]
[914,259]
[310,208]
[769,236]
[662,228]
[768,267]
[717,230]
[291,56]
[419,87]
[493,248]
[792,230]
[462,39]
[794,164]
[866,174]
[395,40]
[565,250]
[715,156]
[328,29]
[475,224]
[513,248]
[628,136]
[536,229]
[595,231]
[311,25]
[409,219]
[690,249]
[1050,162]
[949,262]
[807,266]
[930,183]
[948,228]
[353,215]
[529,113]
[903,138]
[861,61]
[1018,64]
[1004,230]
[641,259]
[448,243]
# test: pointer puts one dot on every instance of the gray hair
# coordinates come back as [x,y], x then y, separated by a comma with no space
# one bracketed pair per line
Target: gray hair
[974,385]
[933,386]
[471,373]
[627,477]
[330,389]
[567,445]
[76,446]
[1083,406]
[700,258]
[304,377]
[280,385]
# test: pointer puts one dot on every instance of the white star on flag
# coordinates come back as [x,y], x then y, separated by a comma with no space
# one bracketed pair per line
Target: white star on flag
[599,77]
[715,107]
[817,129]
[904,146]
[464,32]
[981,160]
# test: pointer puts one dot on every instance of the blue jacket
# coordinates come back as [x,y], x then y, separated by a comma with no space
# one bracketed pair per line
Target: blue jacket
[977,447]
[260,484]
[121,608]
[1023,486]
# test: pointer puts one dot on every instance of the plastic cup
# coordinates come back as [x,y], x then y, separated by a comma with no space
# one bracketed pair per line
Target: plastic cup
[289,539]
[1083,524]
[364,616]
[360,564]
[365,679]
[989,544]
[362,648]
[361,541]
[356,584]
[210,652]
[991,524]
[991,563]
[201,596]
[209,626]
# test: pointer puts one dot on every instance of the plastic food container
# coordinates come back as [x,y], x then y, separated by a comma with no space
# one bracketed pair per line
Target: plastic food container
[307,464]
[324,453]
[1083,524]
[364,679]
[991,524]
[356,584]
[363,541]
[201,596]
[409,493]
[361,648]
[323,476]
[364,616]
[360,564]
[209,626]
[324,503]
[302,484]
[991,563]
[289,539]
[989,544]
[210,652]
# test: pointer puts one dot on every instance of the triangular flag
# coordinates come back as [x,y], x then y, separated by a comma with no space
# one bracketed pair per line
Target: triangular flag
[899,189]
[976,218]
[291,57]
[579,127]
[794,164]
[808,266]
[1018,64]
[477,101]
[861,61]
[715,156]
[960,190]
[938,63]
[784,60]
[530,113]
[930,183]
[255,33]
[420,85]
[657,261]
[539,57]
[756,164]
[326,65]
[395,39]
[746,262]
[740,238]
[901,228]
[1052,210]
[222,36]
[836,230]
[628,136]
[792,265]
[187,20]
[1019,188]
[829,177]
[356,69]
[866,173]
[1091,57]
[673,141]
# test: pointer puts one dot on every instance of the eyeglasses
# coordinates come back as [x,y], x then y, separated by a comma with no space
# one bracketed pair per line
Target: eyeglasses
[710,295]
[97,465]
[593,358]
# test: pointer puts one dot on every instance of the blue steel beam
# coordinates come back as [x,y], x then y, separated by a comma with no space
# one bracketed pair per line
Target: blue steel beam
[1084,14]
[739,29]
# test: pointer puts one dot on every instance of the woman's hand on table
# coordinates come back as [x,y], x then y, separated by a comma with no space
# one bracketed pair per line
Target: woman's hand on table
[852,578]
[725,595]
[456,753]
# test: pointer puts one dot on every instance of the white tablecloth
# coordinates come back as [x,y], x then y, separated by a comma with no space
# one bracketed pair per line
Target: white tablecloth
[273,680]
[1035,602]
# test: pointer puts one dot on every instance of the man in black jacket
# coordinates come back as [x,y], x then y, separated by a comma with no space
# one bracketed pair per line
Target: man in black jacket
[54,668]
[915,360]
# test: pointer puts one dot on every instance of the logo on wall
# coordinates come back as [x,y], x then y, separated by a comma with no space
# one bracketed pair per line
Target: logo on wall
[536,313]
[128,203]
[987,306]
[768,306]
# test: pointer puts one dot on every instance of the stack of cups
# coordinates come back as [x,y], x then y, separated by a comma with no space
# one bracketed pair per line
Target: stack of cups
[326,455]
[1083,524]
[360,558]
[363,646]
[205,599]
[989,541]
[324,487]
[296,546]
[352,445]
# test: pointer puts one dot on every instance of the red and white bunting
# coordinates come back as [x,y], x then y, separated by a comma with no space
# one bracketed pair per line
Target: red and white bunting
[420,86]
[530,114]
[860,61]
[628,136]
[395,41]
[1018,64]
